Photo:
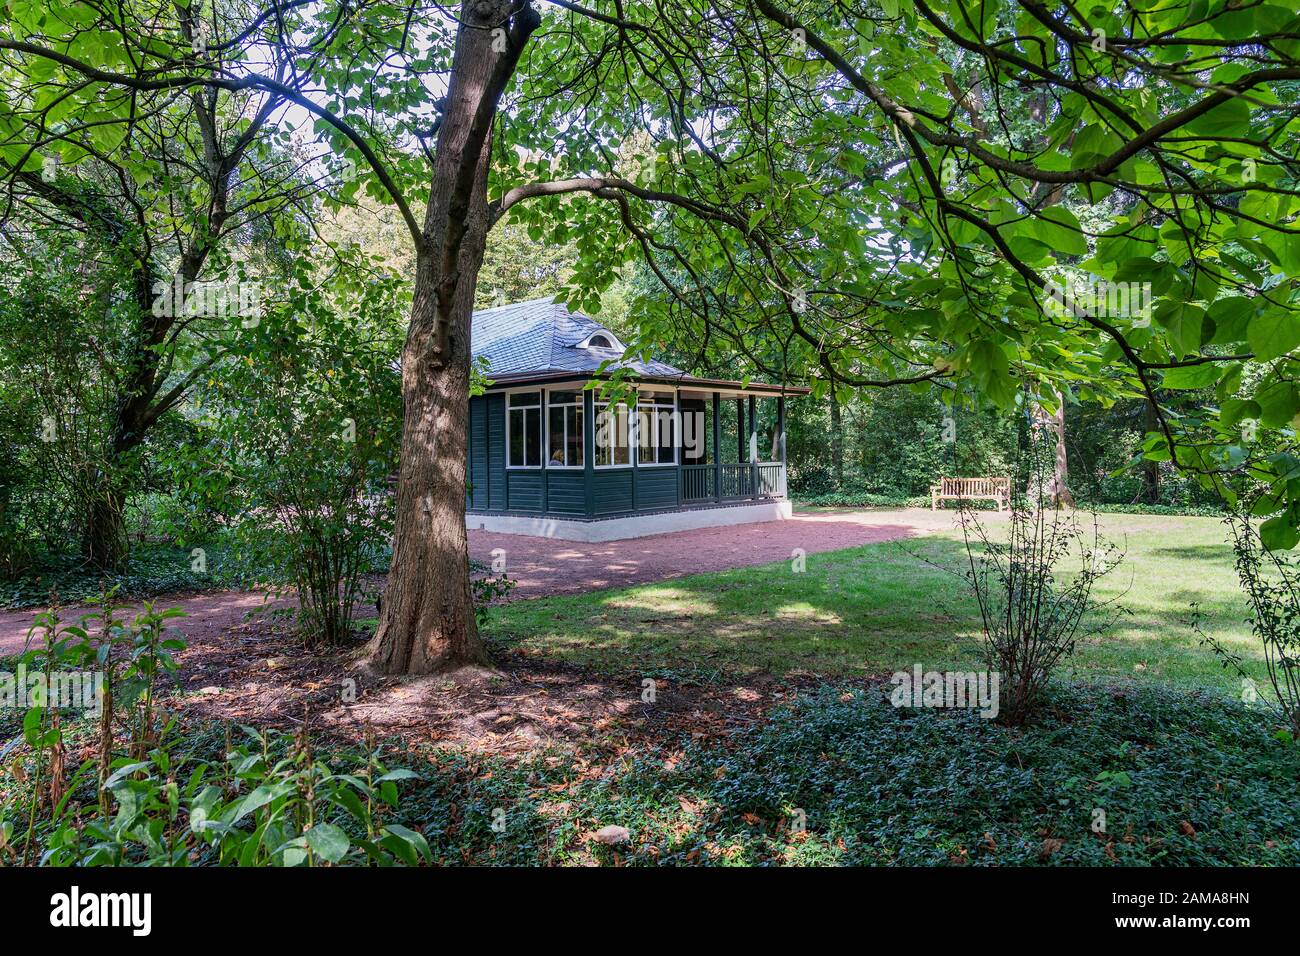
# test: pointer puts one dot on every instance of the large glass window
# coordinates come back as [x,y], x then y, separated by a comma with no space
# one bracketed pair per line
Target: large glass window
[656,428]
[564,430]
[613,441]
[524,430]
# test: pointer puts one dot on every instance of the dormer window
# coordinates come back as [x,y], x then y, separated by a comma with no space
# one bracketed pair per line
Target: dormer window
[604,339]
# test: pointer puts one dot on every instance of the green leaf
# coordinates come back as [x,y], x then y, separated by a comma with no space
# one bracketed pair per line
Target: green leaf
[1231,117]
[1278,402]
[405,843]
[1279,533]
[1231,317]
[329,842]
[1233,411]
[1273,334]
[1192,376]
[1058,228]
[400,774]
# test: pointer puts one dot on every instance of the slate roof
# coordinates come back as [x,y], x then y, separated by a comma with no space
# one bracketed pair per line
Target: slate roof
[542,336]
[538,340]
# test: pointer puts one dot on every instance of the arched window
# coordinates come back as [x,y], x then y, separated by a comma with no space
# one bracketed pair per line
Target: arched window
[599,341]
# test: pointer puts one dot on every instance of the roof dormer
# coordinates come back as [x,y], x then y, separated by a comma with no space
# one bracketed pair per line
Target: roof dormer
[602,339]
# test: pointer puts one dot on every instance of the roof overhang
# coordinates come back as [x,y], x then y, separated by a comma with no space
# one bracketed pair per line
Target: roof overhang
[681,381]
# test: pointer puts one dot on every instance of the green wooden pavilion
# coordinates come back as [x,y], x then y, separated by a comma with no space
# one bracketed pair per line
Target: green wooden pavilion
[548,456]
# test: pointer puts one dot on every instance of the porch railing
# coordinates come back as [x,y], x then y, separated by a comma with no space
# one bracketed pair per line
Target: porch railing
[733,482]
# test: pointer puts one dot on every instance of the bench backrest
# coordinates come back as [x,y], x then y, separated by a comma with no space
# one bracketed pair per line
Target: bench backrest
[974,487]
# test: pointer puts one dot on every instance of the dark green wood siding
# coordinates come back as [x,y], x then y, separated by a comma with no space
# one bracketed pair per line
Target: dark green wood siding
[478,453]
[567,492]
[611,490]
[656,488]
[496,428]
[524,490]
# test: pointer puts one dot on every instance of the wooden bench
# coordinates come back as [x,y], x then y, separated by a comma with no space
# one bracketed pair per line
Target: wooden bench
[971,489]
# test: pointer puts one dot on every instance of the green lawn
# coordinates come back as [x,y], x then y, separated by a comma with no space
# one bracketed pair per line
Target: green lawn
[885,607]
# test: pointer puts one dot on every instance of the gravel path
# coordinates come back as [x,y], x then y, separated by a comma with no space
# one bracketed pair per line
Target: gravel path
[542,566]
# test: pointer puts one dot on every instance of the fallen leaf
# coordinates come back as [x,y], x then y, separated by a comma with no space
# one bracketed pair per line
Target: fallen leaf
[1050,846]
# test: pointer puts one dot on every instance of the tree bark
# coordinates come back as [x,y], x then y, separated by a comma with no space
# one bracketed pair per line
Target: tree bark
[837,442]
[103,537]
[1150,490]
[1058,487]
[427,622]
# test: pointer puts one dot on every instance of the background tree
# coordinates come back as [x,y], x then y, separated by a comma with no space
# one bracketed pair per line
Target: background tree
[167,185]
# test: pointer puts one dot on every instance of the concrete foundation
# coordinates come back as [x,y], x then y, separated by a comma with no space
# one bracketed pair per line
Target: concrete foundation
[628,526]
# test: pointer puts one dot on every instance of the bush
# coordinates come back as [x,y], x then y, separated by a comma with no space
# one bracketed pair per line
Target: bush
[1271,580]
[153,796]
[302,436]
[1032,613]
[150,570]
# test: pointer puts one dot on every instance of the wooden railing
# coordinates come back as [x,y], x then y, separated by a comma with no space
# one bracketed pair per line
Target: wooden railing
[697,482]
[737,481]
[771,479]
[741,481]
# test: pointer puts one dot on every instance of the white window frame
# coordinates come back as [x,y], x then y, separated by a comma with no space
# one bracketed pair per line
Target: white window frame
[580,404]
[540,409]
[631,442]
[675,424]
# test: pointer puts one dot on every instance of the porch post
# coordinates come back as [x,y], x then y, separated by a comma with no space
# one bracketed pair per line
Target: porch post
[753,448]
[588,450]
[544,397]
[780,427]
[780,438]
[678,453]
[717,446]
[740,430]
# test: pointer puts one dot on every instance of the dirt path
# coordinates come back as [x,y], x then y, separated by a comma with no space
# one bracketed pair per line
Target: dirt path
[543,566]
[210,613]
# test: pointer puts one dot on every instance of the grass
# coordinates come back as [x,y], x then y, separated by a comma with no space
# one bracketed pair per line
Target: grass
[884,607]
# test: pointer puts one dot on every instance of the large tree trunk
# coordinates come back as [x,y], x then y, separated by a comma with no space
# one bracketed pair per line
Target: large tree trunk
[427,622]
[1057,492]
[135,410]
[837,442]
[103,537]
[1150,490]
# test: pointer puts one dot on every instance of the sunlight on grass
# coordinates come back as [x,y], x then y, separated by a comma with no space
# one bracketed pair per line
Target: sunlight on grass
[884,607]
[662,599]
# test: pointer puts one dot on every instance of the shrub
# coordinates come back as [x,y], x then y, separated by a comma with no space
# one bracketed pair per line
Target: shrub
[149,797]
[302,437]
[1271,581]
[1032,612]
